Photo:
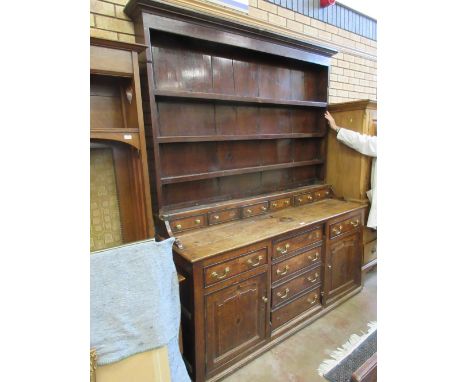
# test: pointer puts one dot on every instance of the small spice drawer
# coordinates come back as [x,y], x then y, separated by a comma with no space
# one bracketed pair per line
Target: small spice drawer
[283,269]
[254,209]
[302,199]
[223,216]
[292,288]
[285,246]
[294,308]
[346,225]
[227,269]
[188,223]
[321,194]
[280,203]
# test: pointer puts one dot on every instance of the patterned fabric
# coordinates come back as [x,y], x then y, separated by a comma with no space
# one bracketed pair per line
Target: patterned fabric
[343,371]
[135,304]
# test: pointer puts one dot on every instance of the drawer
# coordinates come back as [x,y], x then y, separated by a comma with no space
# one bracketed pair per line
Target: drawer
[227,269]
[346,225]
[280,203]
[188,223]
[283,269]
[294,308]
[292,288]
[370,252]
[223,216]
[285,246]
[321,194]
[299,200]
[254,209]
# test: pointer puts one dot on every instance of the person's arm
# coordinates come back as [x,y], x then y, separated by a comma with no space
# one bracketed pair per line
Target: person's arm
[365,144]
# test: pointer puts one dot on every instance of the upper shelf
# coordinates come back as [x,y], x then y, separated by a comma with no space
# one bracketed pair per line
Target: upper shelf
[217,97]
[244,137]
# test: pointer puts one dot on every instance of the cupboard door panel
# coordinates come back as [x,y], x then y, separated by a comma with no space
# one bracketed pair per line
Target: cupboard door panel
[343,266]
[235,320]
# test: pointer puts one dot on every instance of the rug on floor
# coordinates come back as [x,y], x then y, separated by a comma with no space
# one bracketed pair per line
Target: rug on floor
[347,359]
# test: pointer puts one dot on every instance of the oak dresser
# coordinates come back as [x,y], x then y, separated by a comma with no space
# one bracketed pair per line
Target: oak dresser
[237,149]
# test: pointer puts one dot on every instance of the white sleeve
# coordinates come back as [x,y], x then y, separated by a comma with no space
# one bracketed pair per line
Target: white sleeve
[365,144]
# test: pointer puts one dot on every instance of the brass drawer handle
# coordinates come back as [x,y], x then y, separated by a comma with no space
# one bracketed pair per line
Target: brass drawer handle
[250,261]
[355,223]
[314,258]
[265,299]
[179,226]
[283,251]
[299,200]
[286,268]
[311,302]
[197,221]
[222,276]
[318,194]
[284,295]
[337,231]
[313,280]
[309,197]
[216,217]
[286,202]
[274,204]
[264,208]
[249,211]
[327,192]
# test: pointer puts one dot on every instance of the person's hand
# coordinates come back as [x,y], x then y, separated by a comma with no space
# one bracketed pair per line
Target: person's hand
[331,121]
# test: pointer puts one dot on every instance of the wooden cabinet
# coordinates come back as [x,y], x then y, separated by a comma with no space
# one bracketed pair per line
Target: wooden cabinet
[349,171]
[120,191]
[237,146]
[236,319]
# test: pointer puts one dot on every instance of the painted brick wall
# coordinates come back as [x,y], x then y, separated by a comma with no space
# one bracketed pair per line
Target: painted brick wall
[353,72]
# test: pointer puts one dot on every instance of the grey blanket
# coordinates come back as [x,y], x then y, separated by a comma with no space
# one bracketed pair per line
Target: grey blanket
[135,303]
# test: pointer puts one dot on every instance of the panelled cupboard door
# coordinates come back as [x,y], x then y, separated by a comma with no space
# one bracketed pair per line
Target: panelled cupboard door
[342,266]
[235,320]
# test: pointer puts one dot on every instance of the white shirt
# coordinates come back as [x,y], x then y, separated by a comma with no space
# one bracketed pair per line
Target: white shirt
[367,145]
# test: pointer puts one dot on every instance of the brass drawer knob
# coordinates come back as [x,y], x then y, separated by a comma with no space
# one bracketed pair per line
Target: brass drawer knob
[216,217]
[309,197]
[327,192]
[313,258]
[264,208]
[286,202]
[218,276]
[265,299]
[251,262]
[274,204]
[284,295]
[315,279]
[299,200]
[329,266]
[179,226]
[318,194]
[313,301]
[283,251]
[197,221]
[249,211]
[279,272]
[337,231]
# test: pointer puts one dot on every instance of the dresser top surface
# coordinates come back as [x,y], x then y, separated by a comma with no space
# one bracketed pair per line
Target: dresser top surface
[204,243]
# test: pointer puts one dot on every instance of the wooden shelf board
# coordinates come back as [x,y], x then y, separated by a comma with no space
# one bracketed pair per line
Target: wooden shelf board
[216,97]
[206,138]
[237,171]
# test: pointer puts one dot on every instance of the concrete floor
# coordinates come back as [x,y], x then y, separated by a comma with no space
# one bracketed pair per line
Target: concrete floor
[297,358]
